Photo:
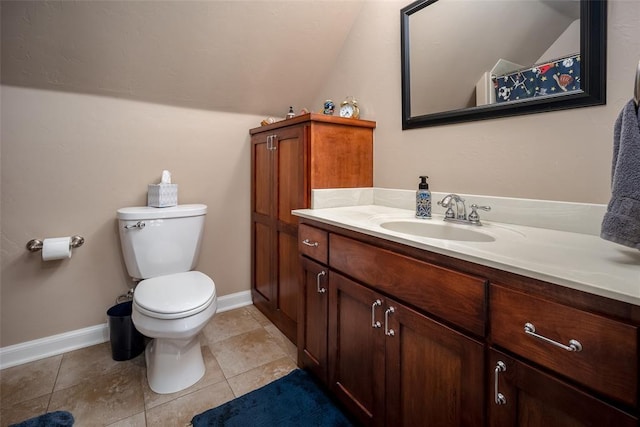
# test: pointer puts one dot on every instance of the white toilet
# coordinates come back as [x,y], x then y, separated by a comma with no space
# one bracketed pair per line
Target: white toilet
[171,303]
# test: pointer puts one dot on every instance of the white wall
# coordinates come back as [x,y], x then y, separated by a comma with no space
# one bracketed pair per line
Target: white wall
[69,161]
[562,155]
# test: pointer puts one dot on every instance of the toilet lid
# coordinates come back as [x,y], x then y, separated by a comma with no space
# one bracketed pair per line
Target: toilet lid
[175,295]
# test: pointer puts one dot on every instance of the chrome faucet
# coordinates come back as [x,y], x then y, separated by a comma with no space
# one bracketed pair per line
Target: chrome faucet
[460,213]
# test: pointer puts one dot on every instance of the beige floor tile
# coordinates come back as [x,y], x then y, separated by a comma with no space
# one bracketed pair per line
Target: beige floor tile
[257,314]
[87,363]
[229,324]
[247,351]
[28,381]
[180,411]
[104,399]
[242,345]
[24,410]
[283,341]
[212,375]
[138,420]
[260,376]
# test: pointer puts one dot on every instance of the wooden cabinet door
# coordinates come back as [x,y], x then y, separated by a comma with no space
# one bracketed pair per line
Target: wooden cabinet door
[278,186]
[291,186]
[434,374]
[289,193]
[532,398]
[262,222]
[313,318]
[356,349]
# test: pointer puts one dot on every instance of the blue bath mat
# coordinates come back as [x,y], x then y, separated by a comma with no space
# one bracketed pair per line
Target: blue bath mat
[50,419]
[292,401]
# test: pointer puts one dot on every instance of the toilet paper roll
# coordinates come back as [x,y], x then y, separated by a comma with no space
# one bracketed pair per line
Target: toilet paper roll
[56,248]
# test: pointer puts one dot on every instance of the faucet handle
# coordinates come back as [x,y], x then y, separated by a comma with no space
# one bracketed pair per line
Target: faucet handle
[474,218]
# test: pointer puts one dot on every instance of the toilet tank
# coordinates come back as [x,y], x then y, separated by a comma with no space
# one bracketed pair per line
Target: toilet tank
[160,241]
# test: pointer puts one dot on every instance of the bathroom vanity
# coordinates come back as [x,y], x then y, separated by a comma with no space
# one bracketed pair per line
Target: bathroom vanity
[288,159]
[406,330]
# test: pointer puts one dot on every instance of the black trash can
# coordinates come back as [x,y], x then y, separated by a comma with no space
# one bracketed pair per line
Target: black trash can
[126,341]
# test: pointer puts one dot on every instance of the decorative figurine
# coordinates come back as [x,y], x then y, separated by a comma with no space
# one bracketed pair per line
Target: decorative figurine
[291,114]
[329,107]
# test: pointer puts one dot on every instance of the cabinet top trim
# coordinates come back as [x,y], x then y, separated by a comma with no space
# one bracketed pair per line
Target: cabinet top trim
[315,117]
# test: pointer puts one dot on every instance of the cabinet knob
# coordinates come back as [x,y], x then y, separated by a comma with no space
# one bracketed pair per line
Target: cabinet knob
[309,243]
[574,345]
[320,290]
[498,397]
[388,332]
[375,323]
[270,142]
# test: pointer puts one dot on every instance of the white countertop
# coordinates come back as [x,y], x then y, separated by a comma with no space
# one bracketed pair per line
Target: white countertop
[579,261]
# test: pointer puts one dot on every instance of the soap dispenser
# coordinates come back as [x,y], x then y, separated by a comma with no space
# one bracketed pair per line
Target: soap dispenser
[423,199]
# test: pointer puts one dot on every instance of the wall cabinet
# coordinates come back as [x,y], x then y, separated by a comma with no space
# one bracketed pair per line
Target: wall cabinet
[288,159]
[406,337]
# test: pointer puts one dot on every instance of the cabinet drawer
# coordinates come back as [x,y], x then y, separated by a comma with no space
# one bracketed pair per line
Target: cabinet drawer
[313,242]
[452,296]
[607,362]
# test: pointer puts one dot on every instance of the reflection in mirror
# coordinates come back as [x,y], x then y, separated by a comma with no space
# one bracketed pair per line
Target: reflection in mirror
[476,59]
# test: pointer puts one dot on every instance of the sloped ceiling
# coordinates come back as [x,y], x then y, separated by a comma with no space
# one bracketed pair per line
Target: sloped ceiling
[254,57]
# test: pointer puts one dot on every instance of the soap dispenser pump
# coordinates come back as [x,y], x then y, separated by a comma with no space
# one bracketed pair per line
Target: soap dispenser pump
[423,199]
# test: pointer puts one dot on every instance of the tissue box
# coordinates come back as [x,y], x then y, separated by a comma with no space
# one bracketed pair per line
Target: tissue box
[162,195]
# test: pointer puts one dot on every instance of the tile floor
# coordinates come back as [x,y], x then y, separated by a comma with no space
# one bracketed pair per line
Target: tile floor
[242,351]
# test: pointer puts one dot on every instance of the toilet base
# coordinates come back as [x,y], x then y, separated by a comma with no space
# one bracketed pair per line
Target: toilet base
[173,364]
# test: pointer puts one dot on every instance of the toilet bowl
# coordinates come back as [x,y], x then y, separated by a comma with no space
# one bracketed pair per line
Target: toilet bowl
[171,303]
[172,310]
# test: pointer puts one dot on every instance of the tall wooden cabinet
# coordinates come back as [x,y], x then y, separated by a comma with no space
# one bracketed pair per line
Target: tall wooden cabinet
[288,159]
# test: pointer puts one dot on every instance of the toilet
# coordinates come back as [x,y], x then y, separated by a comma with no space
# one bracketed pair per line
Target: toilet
[171,303]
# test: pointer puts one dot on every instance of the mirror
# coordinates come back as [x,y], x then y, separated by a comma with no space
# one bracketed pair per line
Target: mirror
[465,60]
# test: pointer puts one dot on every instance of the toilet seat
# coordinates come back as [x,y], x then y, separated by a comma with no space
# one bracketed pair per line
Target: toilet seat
[174,296]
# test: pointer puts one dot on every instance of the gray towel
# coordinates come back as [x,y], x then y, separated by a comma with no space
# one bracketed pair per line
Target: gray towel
[621,223]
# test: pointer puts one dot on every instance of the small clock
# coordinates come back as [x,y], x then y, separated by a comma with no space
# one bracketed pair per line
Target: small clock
[349,108]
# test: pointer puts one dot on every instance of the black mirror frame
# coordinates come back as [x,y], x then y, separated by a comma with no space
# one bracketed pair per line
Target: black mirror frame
[593,50]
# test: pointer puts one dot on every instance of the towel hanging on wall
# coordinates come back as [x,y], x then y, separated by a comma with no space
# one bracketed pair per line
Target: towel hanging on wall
[621,223]
[636,90]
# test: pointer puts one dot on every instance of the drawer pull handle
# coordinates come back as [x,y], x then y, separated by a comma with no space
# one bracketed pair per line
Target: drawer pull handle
[308,243]
[375,323]
[321,290]
[574,345]
[498,397]
[387,331]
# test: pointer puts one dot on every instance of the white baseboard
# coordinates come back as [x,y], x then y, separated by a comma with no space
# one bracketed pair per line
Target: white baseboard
[29,351]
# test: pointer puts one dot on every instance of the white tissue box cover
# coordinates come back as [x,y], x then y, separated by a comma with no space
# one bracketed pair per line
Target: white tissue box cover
[162,195]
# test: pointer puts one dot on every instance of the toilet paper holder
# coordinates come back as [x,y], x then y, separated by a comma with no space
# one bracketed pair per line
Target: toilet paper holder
[34,245]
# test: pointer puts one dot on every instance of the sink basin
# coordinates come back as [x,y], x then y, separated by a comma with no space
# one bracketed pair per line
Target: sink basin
[438,230]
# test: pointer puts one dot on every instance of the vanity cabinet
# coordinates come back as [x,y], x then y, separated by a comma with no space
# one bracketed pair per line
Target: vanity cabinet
[593,350]
[387,362]
[313,301]
[391,365]
[418,338]
[570,346]
[288,159]
[525,396]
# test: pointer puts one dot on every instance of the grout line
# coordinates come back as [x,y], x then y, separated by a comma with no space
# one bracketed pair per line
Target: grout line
[55,381]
